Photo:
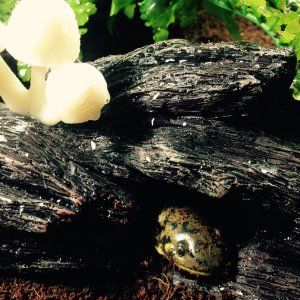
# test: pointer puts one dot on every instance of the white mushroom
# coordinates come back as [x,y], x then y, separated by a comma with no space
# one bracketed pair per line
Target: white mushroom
[77,100]
[45,35]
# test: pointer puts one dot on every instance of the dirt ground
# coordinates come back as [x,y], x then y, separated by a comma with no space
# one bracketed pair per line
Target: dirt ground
[206,28]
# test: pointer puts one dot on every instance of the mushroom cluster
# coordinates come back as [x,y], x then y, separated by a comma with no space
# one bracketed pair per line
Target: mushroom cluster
[45,35]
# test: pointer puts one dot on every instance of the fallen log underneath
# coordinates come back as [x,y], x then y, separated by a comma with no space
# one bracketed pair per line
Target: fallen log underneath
[211,126]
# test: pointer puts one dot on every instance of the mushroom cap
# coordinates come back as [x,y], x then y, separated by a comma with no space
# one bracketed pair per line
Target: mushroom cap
[2,36]
[43,33]
[75,93]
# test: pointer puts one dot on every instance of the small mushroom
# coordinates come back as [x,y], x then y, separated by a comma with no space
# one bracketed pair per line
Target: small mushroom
[77,100]
[45,35]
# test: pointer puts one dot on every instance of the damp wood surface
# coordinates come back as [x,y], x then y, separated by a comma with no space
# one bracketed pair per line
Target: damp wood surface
[188,123]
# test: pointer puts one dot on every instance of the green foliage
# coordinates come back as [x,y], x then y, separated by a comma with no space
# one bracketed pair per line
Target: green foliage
[24,71]
[128,6]
[83,9]
[280,19]
[275,17]
[6,6]
[158,14]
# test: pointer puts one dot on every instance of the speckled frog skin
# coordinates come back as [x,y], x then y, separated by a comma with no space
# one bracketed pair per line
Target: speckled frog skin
[188,242]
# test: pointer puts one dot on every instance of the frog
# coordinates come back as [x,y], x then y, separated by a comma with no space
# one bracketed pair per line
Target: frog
[189,242]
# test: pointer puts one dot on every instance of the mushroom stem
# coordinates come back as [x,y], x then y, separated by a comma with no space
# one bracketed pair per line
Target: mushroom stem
[12,90]
[37,96]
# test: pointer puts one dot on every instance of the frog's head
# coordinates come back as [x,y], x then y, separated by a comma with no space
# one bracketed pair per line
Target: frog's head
[189,243]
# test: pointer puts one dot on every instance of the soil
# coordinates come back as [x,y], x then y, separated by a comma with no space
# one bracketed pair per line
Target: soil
[208,28]
[143,285]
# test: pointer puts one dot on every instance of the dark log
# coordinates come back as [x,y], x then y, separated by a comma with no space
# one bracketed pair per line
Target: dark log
[211,123]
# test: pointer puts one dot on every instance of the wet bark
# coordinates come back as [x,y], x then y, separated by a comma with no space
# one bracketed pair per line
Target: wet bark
[214,123]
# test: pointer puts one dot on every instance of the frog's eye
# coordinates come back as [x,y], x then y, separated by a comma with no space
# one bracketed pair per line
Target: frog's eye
[182,248]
